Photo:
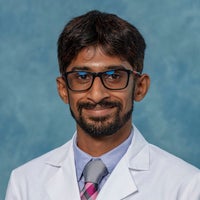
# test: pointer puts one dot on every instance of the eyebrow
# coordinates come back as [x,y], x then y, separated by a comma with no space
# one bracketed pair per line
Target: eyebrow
[78,68]
[116,67]
[85,68]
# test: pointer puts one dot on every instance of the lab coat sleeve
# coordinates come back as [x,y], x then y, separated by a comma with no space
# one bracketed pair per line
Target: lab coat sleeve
[190,189]
[13,192]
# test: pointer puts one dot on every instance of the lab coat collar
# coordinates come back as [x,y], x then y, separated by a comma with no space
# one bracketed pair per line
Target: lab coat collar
[63,181]
[138,153]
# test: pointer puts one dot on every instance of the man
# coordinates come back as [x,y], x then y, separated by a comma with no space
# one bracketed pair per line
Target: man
[101,61]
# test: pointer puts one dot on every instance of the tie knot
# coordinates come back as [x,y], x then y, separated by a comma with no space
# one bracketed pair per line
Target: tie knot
[94,171]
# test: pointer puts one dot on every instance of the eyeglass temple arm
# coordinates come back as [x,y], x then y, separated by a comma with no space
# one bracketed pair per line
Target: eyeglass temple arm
[137,73]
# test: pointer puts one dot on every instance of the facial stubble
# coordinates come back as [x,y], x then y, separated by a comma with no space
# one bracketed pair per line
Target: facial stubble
[102,126]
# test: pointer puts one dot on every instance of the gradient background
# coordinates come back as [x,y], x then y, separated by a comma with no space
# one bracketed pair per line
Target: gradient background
[33,120]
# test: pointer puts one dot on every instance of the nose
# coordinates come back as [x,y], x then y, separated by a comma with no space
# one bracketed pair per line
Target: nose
[97,92]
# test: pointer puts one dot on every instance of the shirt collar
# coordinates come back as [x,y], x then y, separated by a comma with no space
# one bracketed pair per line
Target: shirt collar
[82,158]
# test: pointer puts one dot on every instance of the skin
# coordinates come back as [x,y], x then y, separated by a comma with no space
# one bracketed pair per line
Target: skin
[97,61]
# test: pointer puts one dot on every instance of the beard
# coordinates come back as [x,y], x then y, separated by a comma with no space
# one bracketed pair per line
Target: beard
[102,126]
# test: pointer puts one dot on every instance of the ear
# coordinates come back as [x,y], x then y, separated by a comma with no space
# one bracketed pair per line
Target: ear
[62,89]
[141,87]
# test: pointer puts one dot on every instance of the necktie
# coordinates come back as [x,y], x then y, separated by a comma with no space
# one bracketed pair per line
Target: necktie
[93,173]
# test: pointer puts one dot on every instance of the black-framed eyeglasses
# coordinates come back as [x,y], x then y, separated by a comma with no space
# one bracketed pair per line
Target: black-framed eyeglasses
[115,79]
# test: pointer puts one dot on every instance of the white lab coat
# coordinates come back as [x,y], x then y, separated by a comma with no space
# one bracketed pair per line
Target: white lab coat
[144,173]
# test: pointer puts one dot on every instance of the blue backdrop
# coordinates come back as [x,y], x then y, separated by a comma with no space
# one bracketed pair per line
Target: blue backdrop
[33,120]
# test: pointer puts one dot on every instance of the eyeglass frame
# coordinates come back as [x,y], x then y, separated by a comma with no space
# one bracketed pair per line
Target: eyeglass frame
[99,74]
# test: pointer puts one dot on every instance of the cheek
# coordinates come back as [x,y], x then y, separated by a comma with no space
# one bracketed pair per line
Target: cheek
[128,103]
[72,102]
[128,99]
[74,99]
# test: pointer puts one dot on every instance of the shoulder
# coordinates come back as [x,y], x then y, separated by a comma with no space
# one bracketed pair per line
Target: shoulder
[178,175]
[171,162]
[173,171]
[36,166]
[158,158]
[161,166]
[35,174]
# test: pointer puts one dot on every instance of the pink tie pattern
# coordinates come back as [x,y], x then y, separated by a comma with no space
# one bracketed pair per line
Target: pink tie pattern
[89,191]
[93,173]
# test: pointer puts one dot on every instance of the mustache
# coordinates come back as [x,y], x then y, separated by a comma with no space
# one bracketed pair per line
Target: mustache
[101,104]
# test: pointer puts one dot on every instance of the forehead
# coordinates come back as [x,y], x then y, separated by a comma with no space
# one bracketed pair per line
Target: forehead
[95,59]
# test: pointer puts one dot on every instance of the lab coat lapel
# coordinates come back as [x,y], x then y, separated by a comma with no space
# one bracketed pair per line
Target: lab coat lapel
[119,185]
[63,184]
[122,181]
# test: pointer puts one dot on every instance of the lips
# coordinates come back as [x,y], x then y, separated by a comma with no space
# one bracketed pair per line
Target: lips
[99,111]
[99,106]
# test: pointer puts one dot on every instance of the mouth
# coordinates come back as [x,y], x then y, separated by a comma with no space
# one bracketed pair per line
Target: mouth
[99,111]
[102,109]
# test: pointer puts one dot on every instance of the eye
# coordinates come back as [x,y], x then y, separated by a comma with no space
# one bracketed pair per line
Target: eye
[83,75]
[113,74]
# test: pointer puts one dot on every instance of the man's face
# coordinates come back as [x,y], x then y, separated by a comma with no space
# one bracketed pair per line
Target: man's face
[100,111]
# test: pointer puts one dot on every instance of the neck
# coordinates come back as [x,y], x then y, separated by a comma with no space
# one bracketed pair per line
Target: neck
[97,146]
